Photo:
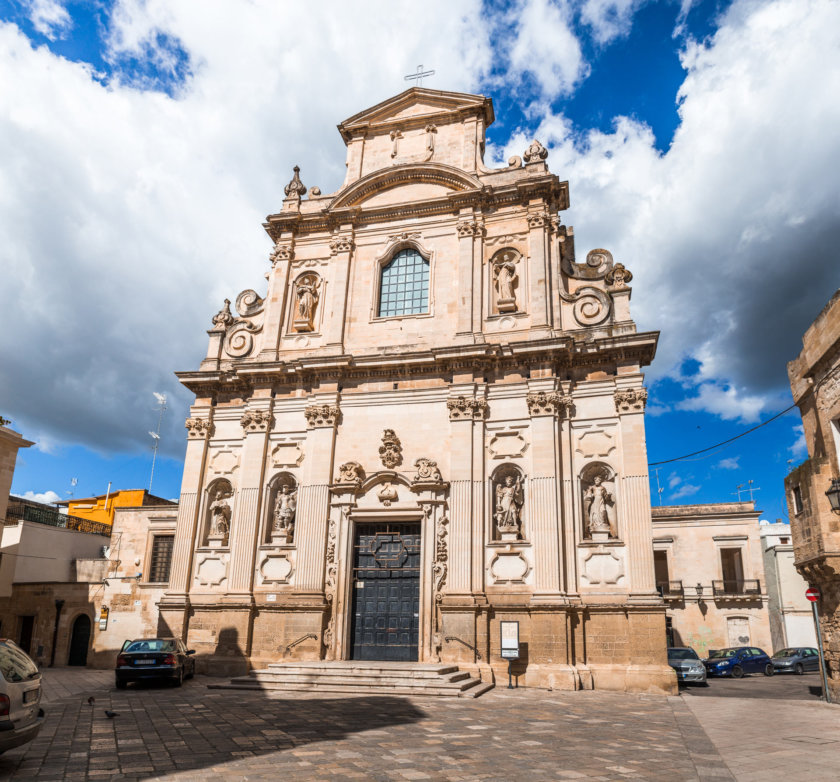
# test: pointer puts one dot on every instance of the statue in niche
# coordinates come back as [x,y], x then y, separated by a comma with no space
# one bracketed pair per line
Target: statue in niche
[220,514]
[505,276]
[509,502]
[285,505]
[596,502]
[306,291]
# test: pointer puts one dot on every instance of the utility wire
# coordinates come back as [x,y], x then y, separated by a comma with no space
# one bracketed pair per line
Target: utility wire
[731,439]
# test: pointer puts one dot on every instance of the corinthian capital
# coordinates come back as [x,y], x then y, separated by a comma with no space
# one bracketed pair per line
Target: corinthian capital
[321,415]
[256,420]
[547,403]
[630,400]
[198,428]
[461,408]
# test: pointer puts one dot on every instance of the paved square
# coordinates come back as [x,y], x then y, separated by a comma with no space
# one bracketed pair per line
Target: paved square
[194,733]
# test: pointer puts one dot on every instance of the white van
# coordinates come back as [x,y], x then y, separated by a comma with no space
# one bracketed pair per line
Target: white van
[20,696]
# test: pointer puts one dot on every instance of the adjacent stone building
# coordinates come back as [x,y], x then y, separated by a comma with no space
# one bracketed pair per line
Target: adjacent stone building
[815,383]
[709,569]
[431,421]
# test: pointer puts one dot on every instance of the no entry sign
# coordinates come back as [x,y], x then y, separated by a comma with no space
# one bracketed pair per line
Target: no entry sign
[813,594]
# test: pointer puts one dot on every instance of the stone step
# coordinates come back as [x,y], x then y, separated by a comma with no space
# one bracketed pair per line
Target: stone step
[362,677]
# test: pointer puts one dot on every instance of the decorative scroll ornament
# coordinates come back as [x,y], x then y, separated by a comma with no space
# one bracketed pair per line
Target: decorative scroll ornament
[331,579]
[198,428]
[239,341]
[431,132]
[632,400]
[341,244]
[314,191]
[295,188]
[390,452]
[547,403]
[405,236]
[515,162]
[256,420]
[223,318]
[592,305]
[387,494]
[618,277]
[396,135]
[321,415]
[441,566]
[427,471]
[351,472]
[307,295]
[462,407]
[535,153]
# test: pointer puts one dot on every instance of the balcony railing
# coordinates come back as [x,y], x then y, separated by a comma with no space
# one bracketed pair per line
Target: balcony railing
[743,588]
[24,510]
[670,590]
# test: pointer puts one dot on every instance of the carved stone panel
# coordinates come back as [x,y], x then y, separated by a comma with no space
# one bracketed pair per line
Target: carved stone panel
[224,462]
[595,442]
[286,454]
[509,567]
[211,570]
[276,569]
[602,567]
[506,445]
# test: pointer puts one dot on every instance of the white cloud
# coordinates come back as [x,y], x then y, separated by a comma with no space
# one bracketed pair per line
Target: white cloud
[732,463]
[799,449]
[674,480]
[47,497]
[49,17]
[720,229]
[686,490]
[546,48]
[609,19]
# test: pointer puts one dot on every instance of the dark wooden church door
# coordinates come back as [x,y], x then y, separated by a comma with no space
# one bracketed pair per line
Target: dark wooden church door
[386,592]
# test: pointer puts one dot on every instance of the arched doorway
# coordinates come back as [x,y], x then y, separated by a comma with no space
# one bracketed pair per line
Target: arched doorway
[79,640]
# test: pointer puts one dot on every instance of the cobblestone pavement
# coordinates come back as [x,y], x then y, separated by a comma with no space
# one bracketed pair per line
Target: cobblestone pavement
[194,733]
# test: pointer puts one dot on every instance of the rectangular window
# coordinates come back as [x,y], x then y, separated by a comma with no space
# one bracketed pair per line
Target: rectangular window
[733,570]
[161,560]
[660,571]
[797,499]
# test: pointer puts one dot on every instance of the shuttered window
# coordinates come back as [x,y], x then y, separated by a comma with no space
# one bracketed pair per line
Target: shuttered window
[161,559]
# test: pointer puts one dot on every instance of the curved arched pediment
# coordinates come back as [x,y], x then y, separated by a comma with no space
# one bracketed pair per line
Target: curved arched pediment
[418,181]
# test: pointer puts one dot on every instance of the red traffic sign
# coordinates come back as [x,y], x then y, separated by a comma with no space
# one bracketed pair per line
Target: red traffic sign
[813,594]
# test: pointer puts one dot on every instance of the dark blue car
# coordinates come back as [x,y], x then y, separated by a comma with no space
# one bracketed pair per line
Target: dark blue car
[738,660]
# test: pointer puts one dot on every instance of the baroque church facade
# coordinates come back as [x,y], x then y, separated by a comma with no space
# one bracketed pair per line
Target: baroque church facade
[431,422]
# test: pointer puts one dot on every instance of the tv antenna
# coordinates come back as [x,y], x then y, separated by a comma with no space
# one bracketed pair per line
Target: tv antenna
[73,482]
[161,400]
[659,489]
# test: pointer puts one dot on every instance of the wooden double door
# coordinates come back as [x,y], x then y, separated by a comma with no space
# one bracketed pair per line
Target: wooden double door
[386,592]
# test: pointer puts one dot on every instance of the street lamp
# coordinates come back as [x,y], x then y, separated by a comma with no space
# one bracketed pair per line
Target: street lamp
[699,589]
[833,495]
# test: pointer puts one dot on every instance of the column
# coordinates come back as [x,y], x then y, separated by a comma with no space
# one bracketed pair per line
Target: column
[312,517]
[341,250]
[469,297]
[635,491]
[199,430]
[538,293]
[275,299]
[257,422]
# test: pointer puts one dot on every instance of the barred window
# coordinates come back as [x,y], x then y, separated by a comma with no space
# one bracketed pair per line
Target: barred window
[161,559]
[404,285]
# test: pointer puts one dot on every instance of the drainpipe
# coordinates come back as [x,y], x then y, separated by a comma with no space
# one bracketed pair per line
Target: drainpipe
[59,604]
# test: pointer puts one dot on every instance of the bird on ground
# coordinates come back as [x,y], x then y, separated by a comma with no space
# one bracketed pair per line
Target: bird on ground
[111,714]
[91,700]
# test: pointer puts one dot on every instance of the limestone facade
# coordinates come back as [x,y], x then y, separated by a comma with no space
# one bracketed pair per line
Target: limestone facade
[709,568]
[815,382]
[429,355]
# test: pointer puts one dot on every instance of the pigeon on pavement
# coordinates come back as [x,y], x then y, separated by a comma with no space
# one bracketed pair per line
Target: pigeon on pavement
[111,714]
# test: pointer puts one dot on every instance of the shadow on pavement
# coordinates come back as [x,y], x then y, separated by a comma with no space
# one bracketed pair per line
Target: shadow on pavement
[778,687]
[190,728]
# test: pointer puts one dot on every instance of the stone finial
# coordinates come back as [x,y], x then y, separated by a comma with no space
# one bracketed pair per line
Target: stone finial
[198,428]
[223,318]
[466,408]
[618,277]
[256,420]
[535,153]
[390,452]
[427,471]
[547,403]
[321,415]
[630,400]
[4,421]
[295,188]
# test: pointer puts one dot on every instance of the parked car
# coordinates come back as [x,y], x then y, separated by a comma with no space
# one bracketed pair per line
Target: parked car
[21,716]
[796,660]
[687,664]
[154,658]
[738,660]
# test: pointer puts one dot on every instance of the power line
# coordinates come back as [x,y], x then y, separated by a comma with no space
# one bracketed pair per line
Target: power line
[725,442]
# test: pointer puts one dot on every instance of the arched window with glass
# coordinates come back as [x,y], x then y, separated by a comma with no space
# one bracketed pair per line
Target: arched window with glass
[404,285]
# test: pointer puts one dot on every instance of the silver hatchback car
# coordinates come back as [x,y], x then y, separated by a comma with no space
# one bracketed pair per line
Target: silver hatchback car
[21,715]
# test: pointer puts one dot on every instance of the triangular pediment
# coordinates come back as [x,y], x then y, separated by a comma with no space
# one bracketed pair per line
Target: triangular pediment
[418,103]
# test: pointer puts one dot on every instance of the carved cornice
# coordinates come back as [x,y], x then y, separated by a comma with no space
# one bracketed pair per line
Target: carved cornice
[199,428]
[631,400]
[548,403]
[321,415]
[256,420]
[466,408]
[341,244]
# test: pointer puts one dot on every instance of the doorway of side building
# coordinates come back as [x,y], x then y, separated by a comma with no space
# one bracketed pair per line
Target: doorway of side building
[25,635]
[79,640]
[386,592]
[739,630]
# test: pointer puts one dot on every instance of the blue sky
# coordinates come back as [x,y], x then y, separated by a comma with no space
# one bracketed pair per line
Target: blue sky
[151,140]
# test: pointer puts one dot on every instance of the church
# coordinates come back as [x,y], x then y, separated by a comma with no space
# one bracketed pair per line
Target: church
[430,422]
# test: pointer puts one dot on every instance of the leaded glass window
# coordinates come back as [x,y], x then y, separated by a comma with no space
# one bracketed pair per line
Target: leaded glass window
[404,288]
